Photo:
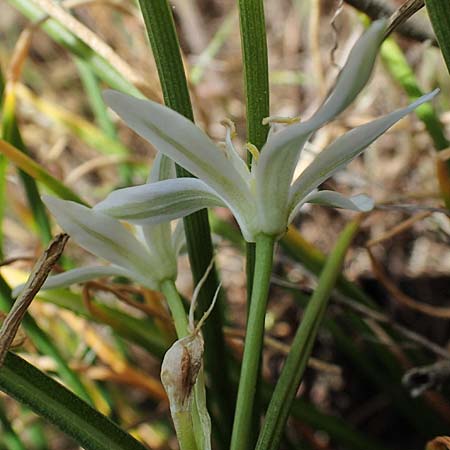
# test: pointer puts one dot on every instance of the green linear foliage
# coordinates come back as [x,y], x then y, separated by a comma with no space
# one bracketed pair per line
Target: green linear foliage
[372,363]
[166,50]
[74,45]
[46,397]
[43,343]
[439,12]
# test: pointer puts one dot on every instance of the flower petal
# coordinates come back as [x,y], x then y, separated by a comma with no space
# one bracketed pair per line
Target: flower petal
[101,235]
[163,168]
[159,202]
[354,75]
[280,155]
[179,139]
[360,202]
[76,276]
[345,149]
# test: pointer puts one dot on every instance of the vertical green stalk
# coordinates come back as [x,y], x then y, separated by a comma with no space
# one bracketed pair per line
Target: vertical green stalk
[294,367]
[256,86]
[166,50]
[253,345]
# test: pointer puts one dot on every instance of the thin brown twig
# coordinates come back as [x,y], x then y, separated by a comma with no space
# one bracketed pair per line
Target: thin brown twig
[402,14]
[400,228]
[378,316]
[35,281]
[405,300]
[413,29]
[148,309]
[314,363]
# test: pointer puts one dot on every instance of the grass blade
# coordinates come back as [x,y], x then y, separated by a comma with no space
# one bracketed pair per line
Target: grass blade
[46,397]
[37,172]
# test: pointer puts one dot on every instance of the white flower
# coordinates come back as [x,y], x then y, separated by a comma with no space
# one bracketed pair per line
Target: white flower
[148,256]
[264,199]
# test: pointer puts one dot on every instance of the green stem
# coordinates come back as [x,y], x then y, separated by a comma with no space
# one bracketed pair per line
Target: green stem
[253,343]
[176,307]
[46,397]
[256,86]
[185,430]
[291,376]
[162,35]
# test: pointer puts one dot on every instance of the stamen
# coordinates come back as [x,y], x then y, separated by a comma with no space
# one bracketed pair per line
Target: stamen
[253,150]
[280,119]
[230,126]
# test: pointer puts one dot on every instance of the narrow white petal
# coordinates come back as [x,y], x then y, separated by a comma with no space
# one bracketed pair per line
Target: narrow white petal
[280,155]
[179,238]
[101,235]
[159,202]
[182,141]
[75,276]
[159,243]
[360,202]
[354,75]
[163,168]
[345,149]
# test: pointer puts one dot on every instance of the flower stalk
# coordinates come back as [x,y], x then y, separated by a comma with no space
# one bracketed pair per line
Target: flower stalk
[253,342]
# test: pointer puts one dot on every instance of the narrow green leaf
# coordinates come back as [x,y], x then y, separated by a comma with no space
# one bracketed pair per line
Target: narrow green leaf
[77,419]
[292,373]
[439,12]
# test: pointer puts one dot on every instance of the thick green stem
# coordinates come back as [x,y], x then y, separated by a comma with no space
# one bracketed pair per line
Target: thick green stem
[176,307]
[295,365]
[253,343]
